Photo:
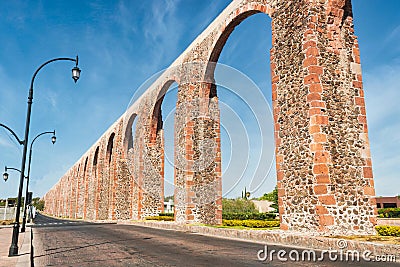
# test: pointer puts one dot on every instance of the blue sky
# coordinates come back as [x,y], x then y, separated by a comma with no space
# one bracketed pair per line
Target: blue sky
[123,43]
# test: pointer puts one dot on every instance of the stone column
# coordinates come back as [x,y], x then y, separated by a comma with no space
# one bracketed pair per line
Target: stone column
[198,190]
[322,152]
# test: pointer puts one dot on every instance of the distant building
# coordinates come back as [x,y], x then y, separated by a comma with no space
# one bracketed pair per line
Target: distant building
[387,202]
[169,206]
[263,205]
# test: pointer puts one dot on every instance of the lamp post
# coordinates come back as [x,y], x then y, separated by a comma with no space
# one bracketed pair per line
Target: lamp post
[13,133]
[53,140]
[5,174]
[13,251]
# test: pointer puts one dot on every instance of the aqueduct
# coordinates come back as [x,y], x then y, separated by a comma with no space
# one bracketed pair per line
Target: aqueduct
[323,162]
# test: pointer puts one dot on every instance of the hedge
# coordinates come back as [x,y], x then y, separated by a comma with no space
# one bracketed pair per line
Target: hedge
[248,216]
[166,214]
[251,223]
[389,213]
[160,218]
[388,230]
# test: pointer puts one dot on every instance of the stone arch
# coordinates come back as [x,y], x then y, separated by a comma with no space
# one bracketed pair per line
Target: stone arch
[78,181]
[218,43]
[151,180]
[105,177]
[110,147]
[85,188]
[94,185]
[156,120]
[325,181]
[129,135]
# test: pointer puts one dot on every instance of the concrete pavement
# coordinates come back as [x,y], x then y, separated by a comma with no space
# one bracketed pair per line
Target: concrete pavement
[24,246]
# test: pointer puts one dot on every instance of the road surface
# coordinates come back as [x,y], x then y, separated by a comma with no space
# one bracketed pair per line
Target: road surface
[72,243]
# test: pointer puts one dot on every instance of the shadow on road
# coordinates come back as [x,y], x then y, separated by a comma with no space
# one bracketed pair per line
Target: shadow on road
[86,246]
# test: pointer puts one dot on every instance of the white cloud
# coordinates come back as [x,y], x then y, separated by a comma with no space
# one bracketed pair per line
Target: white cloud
[162,31]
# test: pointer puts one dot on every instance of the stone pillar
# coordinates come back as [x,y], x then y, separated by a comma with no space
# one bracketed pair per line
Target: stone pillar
[198,190]
[322,152]
[151,178]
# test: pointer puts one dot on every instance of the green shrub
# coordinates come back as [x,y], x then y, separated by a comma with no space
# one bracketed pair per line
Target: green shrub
[388,230]
[6,222]
[160,218]
[166,214]
[248,216]
[238,205]
[389,213]
[251,223]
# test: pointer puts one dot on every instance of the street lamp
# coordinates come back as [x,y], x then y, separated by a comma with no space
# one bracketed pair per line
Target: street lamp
[5,174]
[53,140]
[13,251]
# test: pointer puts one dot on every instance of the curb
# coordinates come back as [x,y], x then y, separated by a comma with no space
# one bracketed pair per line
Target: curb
[279,237]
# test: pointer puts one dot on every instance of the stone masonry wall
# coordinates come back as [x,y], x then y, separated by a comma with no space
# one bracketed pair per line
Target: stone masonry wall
[323,161]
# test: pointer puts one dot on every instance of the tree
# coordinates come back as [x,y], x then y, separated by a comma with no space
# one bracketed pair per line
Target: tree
[166,199]
[238,205]
[38,203]
[273,197]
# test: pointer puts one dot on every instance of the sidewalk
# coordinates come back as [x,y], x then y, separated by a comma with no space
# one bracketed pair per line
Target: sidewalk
[24,247]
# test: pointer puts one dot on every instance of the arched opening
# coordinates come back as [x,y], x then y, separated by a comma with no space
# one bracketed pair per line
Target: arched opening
[96,186]
[168,110]
[243,87]
[110,146]
[130,131]
[162,140]
[84,191]
[131,157]
[105,183]
[77,191]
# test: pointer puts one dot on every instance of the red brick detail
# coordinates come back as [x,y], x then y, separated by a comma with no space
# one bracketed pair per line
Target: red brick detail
[359,101]
[319,138]
[326,220]
[323,179]
[367,172]
[311,78]
[321,157]
[320,169]
[316,147]
[316,70]
[313,96]
[309,62]
[369,191]
[327,200]
[315,88]
[320,189]
[284,226]
[314,129]
[321,210]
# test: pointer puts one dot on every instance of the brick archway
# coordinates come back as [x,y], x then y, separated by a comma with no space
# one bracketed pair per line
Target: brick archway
[323,161]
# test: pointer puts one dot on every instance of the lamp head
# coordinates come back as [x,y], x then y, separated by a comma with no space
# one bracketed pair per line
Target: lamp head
[5,176]
[53,139]
[76,73]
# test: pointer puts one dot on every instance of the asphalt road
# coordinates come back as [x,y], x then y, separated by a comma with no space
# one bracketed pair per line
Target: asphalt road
[71,243]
